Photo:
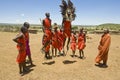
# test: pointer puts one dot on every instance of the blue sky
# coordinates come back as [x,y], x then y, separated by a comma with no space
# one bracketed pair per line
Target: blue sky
[89,12]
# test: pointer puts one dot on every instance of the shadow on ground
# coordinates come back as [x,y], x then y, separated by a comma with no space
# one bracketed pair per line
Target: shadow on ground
[69,62]
[49,63]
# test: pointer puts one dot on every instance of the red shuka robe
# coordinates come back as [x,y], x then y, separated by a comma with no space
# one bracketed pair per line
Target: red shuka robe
[103,48]
[81,41]
[47,26]
[46,40]
[67,28]
[73,42]
[61,39]
[55,42]
[22,50]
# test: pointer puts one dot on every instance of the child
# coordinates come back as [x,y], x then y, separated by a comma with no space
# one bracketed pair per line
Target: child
[55,42]
[81,43]
[61,39]
[73,43]
[21,46]
[28,53]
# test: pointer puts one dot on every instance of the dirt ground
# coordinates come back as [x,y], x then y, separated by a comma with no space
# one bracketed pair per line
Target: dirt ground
[59,68]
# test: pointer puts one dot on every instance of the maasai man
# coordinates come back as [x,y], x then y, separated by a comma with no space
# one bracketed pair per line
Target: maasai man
[28,52]
[21,46]
[68,14]
[73,43]
[81,42]
[103,49]
[47,28]
[66,25]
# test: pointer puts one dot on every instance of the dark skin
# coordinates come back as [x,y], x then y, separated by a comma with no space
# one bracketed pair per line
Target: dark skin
[17,37]
[47,55]
[53,51]
[21,65]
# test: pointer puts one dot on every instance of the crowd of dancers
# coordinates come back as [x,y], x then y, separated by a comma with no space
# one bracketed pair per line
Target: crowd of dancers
[54,39]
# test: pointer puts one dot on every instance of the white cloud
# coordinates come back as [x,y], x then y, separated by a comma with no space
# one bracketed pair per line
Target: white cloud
[22,15]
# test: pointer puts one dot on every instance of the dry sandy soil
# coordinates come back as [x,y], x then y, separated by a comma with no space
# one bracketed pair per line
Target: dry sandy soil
[72,69]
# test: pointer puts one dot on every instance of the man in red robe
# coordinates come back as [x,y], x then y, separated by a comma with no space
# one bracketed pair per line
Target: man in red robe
[47,25]
[103,49]
[68,14]
[66,25]
[47,29]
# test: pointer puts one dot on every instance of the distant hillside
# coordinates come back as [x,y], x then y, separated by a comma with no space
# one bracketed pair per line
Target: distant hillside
[16,27]
[109,26]
[8,27]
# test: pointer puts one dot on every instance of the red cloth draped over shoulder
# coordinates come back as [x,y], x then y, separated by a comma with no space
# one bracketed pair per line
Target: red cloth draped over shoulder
[81,41]
[47,26]
[67,28]
[22,50]
[61,39]
[47,23]
[103,48]
[28,52]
